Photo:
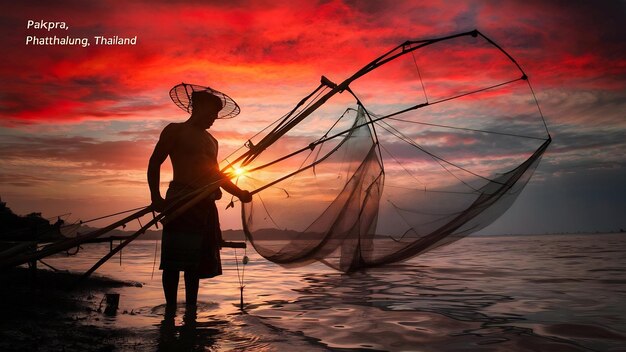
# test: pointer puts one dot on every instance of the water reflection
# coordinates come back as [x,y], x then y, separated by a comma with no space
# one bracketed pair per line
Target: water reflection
[403,308]
[191,335]
[521,293]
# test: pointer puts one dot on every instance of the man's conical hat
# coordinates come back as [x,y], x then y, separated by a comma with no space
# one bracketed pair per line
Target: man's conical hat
[181,96]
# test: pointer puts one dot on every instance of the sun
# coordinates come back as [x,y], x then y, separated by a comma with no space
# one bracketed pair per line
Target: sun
[236,172]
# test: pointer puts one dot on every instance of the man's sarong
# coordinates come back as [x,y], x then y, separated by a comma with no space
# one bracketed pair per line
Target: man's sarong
[191,241]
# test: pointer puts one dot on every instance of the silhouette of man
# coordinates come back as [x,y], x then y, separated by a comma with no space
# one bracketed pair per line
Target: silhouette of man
[191,241]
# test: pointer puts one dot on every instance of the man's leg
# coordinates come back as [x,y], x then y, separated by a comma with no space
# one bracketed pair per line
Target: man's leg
[170,286]
[192,282]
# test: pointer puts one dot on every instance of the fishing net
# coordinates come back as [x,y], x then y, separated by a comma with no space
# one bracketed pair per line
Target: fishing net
[374,176]
[427,144]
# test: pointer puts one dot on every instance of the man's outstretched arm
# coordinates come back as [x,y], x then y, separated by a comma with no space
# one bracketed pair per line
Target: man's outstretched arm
[232,188]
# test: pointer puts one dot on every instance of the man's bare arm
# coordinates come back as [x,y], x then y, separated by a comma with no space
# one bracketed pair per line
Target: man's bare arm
[160,153]
[232,188]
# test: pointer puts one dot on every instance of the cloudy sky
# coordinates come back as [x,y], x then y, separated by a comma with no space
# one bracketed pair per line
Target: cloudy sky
[77,124]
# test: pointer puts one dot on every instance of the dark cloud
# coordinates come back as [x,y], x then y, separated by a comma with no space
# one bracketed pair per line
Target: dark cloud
[88,152]
[142,135]
[266,51]
[122,182]
[584,200]
[22,180]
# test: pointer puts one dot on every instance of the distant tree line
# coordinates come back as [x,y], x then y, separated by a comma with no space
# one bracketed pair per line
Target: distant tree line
[31,227]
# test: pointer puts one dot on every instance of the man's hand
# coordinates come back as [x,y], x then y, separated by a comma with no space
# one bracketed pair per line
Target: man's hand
[245,197]
[158,204]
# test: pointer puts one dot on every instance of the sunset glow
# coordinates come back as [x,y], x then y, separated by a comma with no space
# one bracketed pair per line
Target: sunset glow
[78,124]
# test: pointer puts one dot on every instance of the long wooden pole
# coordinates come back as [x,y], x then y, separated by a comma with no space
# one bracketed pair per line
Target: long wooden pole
[279,131]
[170,213]
[63,245]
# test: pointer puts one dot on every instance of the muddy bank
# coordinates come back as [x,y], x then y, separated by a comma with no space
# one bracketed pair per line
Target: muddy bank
[51,312]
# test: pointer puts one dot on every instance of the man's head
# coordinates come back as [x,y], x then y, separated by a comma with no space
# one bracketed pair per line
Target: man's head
[205,107]
[194,98]
[205,100]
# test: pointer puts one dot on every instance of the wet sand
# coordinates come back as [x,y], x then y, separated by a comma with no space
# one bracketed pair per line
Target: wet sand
[52,313]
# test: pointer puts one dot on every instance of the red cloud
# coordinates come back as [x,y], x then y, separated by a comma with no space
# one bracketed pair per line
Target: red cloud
[86,152]
[268,55]
[251,47]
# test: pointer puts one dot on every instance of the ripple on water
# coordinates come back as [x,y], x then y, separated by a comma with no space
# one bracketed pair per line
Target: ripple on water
[583,331]
[522,293]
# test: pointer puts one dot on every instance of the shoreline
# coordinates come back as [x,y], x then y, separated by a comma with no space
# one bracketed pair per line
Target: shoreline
[52,313]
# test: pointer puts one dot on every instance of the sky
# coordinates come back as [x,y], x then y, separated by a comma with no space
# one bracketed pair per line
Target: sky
[78,124]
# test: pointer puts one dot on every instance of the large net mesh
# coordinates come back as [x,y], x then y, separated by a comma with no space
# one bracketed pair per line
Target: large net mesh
[442,157]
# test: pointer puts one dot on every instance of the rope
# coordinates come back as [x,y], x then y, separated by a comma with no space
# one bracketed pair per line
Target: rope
[538,107]
[466,129]
[267,211]
[420,76]
[437,158]
[241,274]
[372,121]
[73,253]
[477,90]
[402,166]
[156,247]
[110,215]
[48,265]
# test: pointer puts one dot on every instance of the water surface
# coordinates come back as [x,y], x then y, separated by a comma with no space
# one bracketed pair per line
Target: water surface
[499,293]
